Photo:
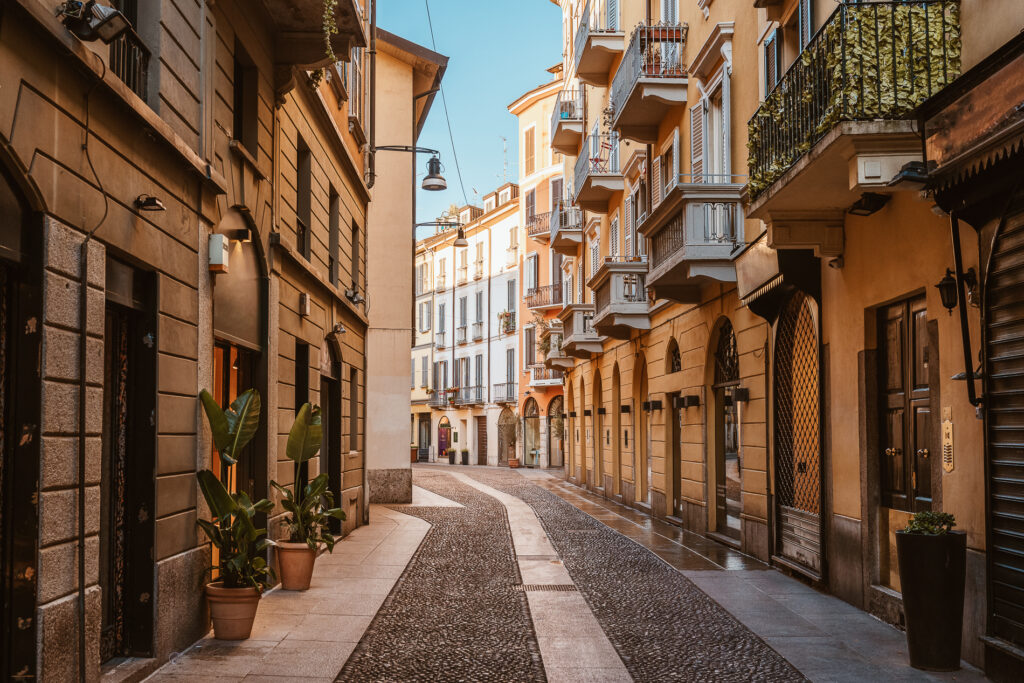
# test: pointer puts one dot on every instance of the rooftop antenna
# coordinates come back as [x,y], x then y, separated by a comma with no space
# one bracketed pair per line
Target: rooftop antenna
[504,144]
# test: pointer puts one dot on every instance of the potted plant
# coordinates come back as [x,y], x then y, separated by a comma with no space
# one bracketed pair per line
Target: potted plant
[451,456]
[244,574]
[465,456]
[310,507]
[932,564]
[513,462]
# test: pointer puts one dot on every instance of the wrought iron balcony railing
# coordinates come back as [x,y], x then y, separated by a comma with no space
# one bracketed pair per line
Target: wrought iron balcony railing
[600,156]
[506,392]
[439,283]
[541,376]
[654,52]
[869,61]
[478,331]
[442,398]
[539,224]
[567,114]
[598,17]
[129,60]
[507,322]
[543,297]
[462,275]
[439,340]
[460,334]
[470,396]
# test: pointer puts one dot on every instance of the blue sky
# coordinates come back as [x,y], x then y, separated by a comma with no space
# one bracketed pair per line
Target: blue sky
[497,50]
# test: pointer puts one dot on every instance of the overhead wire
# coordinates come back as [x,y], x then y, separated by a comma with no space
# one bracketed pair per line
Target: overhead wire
[444,103]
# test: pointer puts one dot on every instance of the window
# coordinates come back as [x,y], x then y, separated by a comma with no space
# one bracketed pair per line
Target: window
[513,238]
[479,307]
[464,217]
[595,255]
[462,311]
[413,380]
[423,371]
[805,18]
[479,361]
[504,196]
[556,193]
[530,345]
[512,291]
[335,228]
[424,316]
[531,204]
[353,409]
[613,242]
[302,396]
[355,255]
[245,108]
[568,295]
[629,226]
[580,283]
[440,317]
[670,11]
[443,374]
[532,272]
[529,151]
[357,90]
[304,197]
[510,365]
[489,204]
[771,62]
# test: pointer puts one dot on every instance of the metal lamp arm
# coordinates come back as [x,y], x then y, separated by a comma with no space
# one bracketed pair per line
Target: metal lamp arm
[406,148]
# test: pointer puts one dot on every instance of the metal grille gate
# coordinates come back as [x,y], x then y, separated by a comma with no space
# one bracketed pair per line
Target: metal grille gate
[797,436]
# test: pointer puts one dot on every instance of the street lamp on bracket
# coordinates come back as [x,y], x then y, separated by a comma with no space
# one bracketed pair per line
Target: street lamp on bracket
[434,182]
[460,237]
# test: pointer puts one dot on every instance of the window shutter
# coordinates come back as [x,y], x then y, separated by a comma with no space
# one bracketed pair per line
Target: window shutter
[628,247]
[581,280]
[656,183]
[697,142]
[806,22]
[771,62]
[677,165]
[612,16]
[613,243]
[528,144]
[726,127]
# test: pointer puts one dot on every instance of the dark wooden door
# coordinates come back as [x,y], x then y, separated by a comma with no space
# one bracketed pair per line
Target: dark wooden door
[481,440]
[905,406]
[330,445]
[1004,401]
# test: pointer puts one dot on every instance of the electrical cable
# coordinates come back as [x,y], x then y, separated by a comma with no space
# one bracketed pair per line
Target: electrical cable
[444,102]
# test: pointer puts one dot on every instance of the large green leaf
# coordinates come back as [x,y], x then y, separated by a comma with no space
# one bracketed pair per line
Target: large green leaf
[243,417]
[218,421]
[222,505]
[305,435]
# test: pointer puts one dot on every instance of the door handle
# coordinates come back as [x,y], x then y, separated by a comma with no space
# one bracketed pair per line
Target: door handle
[893,451]
[922,453]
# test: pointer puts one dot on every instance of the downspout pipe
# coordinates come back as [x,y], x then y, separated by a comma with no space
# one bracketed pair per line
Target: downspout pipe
[369,185]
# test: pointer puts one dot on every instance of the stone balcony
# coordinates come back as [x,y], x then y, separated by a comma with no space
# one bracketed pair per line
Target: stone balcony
[299,38]
[579,339]
[620,297]
[567,230]
[541,376]
[693,234]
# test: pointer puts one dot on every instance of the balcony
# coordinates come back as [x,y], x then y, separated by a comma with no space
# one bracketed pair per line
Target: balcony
[507,322]
[439,340]
[129,60]
[460,334]
[439,283]
[541,376]
[556,358]
[512,256]
[597,175]
[478,269]
[838,123]
[567,122]
[567,229]
[548,296]
[299,34]
[461,275]
[506,392]
[649,81]
[478,331]
[469,396]
[538,226]
[442,398]
[693,234]
[620,297]
[599,40]
[580,339]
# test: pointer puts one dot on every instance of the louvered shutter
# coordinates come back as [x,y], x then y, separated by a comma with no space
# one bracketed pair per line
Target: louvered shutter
[771,62]
[677,165]
[697,142]
[656,183]
[628,246]
[726,127]
[806,22]
[612,15]
[580,279]
[670,11]
[613,243]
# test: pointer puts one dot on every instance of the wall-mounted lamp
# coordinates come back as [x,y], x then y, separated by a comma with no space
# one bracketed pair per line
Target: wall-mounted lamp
[89,21]
[572,413]
[147,202]
[241,235]
[912,176]
[947,288]
[741,394]
[586,413]
[338,328]
[304,305]
[689,401]
[624,410]
[869,203]
[600,411]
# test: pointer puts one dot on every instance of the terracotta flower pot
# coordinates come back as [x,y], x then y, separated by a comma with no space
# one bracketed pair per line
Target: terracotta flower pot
[513,462]
[296,563]
[232,610]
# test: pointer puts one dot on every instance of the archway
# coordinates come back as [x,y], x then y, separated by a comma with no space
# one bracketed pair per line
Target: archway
[723,448]
[673,360]
[617,431]
[556,432]
[597,406]
[642,437]
[506,436]
[444,437]
[531,433]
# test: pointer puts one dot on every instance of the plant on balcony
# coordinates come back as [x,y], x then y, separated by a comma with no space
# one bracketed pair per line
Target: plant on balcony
[506,321]
[330,28]
[871,64]
[310,507]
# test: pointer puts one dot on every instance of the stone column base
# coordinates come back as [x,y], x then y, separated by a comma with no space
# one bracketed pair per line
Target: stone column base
[390,486]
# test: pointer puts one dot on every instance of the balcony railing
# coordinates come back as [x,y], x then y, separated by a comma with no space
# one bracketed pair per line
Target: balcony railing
[709,219]
[506,392]
[654,53]
[507,322]
[129,60]
[470,396]
[567,121]
[620,297]
[538,225]
[597,173]
[579,337]
[460,334]
[442,398]
[462,275]
[478,331]
[870,60]
[544,377]
[439,340]
[544,297]
[597,17]
[478,269]
[439,283]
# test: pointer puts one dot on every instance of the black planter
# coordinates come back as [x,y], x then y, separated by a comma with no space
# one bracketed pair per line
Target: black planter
[932,573]
[465,457]
[451,457]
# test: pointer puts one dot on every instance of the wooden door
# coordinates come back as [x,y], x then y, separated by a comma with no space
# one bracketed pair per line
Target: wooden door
[905,406]
[481,440]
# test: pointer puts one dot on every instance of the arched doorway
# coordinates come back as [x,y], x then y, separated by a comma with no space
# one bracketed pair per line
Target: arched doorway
[444,437]
[531,433]
[642,437]
[723,448]
[331,421]
[506,436]
[556,432]
[617,432]
[599,438]
[797,434]
[584,437]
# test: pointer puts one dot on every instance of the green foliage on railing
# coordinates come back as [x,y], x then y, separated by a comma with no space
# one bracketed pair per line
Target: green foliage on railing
[870,61]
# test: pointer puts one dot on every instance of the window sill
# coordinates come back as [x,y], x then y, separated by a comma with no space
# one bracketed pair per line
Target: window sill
[239,150]
[355,126]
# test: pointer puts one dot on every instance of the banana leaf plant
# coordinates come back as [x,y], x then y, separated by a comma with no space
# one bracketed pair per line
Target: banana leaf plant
[310,507]
[242,546]
[232,428]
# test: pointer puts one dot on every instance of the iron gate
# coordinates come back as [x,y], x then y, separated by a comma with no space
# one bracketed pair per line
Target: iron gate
[797,436]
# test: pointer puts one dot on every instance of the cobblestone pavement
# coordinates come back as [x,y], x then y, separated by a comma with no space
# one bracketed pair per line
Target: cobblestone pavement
[663,626]
[454,614]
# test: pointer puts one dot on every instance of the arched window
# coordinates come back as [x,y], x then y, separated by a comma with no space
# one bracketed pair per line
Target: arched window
[673,361]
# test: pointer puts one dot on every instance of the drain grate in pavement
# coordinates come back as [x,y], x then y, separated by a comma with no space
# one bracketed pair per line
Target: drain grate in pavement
[553,558]
[534,587]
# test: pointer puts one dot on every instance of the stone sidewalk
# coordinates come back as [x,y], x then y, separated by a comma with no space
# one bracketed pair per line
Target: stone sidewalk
[309,635]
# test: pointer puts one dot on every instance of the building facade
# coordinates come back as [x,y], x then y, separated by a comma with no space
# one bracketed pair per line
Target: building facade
[759,351]
[541,406]
[467,308]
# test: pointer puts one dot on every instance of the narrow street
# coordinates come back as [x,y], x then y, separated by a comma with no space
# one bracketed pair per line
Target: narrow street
[503,575]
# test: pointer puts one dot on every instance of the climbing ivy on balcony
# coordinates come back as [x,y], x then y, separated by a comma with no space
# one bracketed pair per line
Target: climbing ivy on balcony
[870,61]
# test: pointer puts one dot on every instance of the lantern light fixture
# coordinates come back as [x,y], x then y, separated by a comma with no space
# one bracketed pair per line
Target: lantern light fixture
[89,21]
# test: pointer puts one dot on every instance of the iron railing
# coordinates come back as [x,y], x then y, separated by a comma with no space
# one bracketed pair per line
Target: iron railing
[870,60]
[439,340]
[478,331]
[700,223]
[506,392]
[568,107]
[538,224]
[507,322]
[548,295]
[478,269]
[621,286]
[129,60]
[442,398]
[462,275]
[654,52]
[566,217]
[598,17]
[440,283]
[539,375]
[460,334]
[470,395]
[600,156]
